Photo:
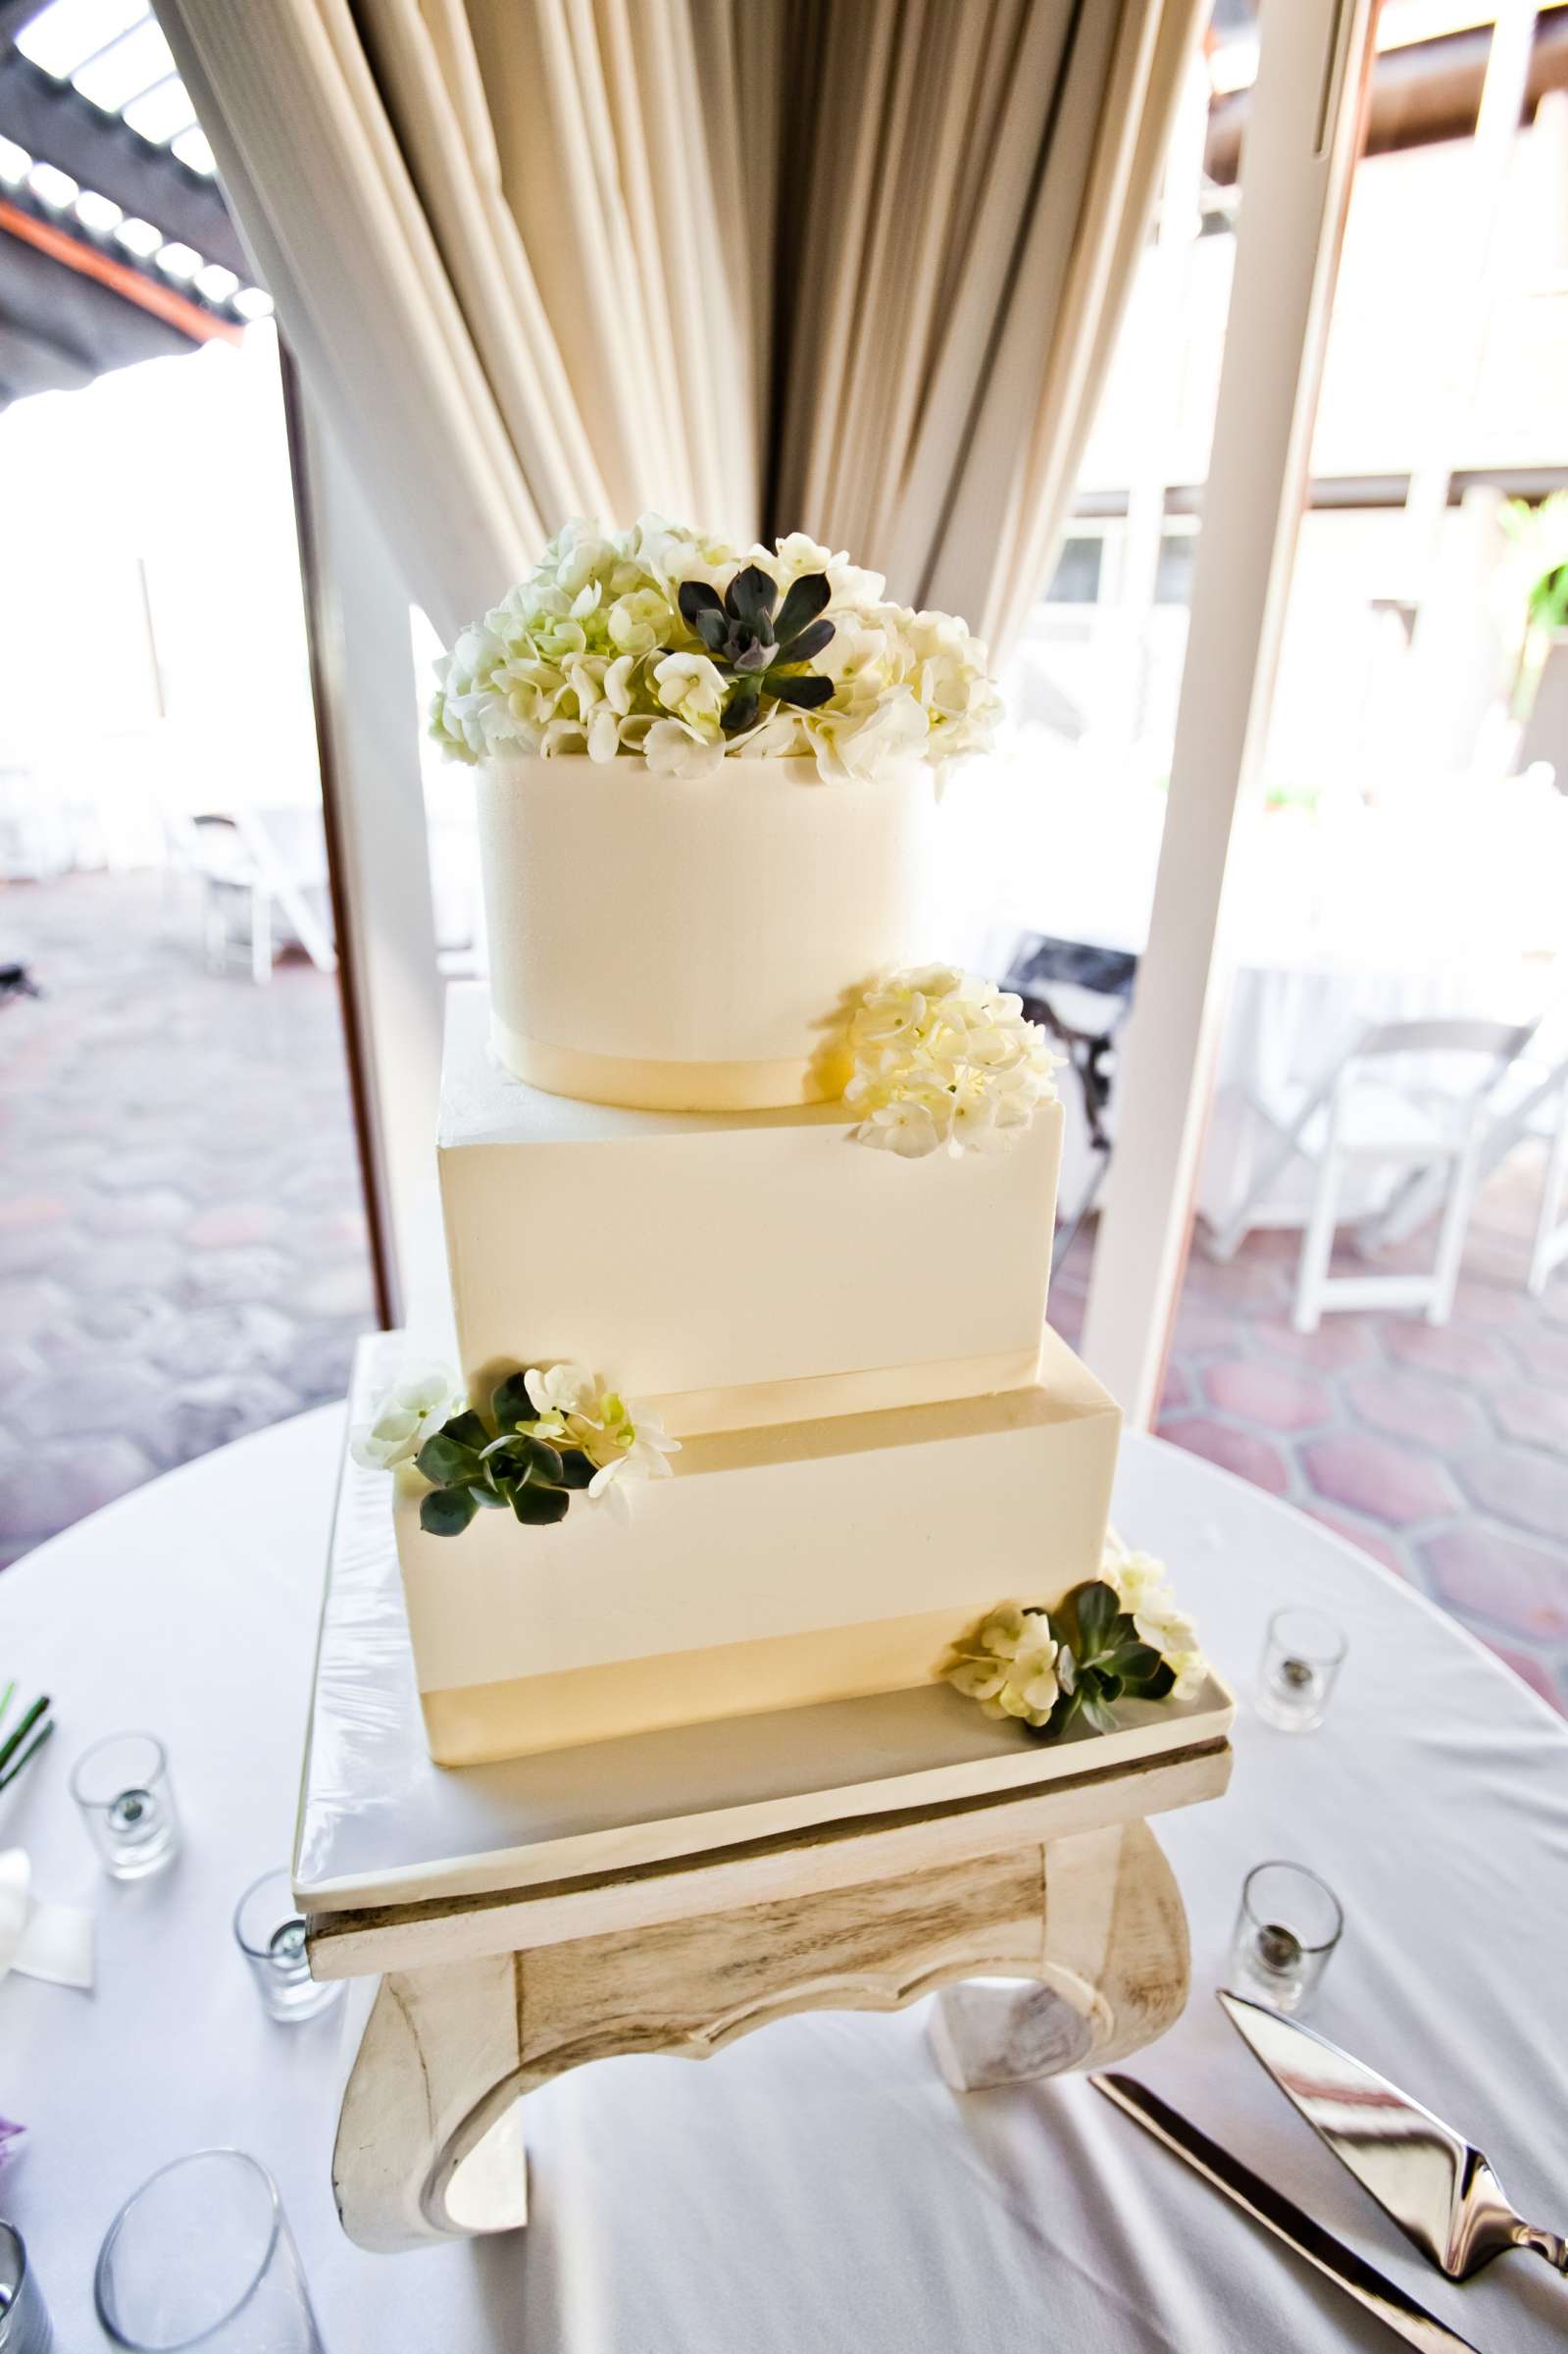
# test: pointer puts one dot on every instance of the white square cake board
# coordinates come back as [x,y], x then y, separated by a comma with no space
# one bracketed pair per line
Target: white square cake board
[381,1824]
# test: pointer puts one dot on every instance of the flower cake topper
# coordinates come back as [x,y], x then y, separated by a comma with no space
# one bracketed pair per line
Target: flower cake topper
[665,642]
[557,1432]
[943,1060]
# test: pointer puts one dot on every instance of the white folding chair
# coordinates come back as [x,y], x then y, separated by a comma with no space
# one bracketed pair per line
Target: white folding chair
[1356,1116]
[1551,1227]
[1539,1111]
[1419,1127]
[1528,1103]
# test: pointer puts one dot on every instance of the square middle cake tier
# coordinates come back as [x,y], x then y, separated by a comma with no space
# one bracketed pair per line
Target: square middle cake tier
[781,1566]
[735,1268]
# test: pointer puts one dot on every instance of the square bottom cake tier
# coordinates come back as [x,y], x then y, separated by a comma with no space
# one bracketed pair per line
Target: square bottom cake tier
[781,1566]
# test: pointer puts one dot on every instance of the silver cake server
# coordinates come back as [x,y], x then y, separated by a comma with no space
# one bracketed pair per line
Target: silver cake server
[1373,2290]
[1440,2190]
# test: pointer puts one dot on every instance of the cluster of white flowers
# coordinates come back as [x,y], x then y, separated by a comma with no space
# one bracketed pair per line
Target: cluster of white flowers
[624,1441]
[942,1058]
[591,654]
[1011,1667]
[407,1413]
[1142,1585]
[1017,1663]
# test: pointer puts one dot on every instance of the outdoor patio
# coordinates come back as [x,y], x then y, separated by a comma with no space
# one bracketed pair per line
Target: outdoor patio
[182,1249]
[1442,1452]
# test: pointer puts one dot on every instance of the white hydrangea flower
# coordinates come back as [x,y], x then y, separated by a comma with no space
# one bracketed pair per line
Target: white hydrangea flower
[905,1127]
[1010,1665]
[870,736]
[589,655]
[672,749]
[634,1445]
[940,1058]
[1141,1583]
[640,620]
[559,1392]
[624,1439]
[405,1415]
[692,688]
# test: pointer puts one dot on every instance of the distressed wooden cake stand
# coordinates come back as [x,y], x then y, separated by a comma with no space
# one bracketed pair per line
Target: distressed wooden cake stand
[669,1892]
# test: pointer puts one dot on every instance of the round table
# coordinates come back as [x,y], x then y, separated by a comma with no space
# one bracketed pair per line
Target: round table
[816,2185]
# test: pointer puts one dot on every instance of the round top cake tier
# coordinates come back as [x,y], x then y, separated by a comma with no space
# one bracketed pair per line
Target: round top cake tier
[693,945]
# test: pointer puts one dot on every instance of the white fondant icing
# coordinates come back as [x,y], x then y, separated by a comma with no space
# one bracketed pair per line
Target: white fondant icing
[779,1532]
[721,921]
[715,1253]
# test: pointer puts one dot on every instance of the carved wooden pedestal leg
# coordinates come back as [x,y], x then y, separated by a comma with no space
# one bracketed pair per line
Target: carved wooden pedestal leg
[430,2141]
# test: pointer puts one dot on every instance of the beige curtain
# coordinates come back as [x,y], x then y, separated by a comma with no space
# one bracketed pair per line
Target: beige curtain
[851,266]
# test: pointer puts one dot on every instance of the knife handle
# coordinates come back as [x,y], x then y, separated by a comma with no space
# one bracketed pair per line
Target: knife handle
[1547,2245]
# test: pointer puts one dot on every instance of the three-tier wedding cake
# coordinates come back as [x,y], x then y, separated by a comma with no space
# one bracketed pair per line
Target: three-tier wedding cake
[748,1206]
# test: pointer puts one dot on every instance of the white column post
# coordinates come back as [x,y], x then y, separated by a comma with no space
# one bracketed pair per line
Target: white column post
[1471,282]
[366,722]
[1178,223]
[1296,164]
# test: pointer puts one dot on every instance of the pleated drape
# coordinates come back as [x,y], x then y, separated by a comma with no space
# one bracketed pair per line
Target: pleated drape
[850,267]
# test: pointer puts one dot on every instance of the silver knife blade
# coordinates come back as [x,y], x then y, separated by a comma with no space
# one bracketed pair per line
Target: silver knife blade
[1371,2290]
[1440,2190]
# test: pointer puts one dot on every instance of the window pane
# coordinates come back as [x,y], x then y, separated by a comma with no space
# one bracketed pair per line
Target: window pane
[1076,579]
[1172,573]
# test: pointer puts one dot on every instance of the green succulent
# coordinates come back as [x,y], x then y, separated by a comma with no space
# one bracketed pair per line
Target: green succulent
[756,649]
[1100,1659]
[471,1469]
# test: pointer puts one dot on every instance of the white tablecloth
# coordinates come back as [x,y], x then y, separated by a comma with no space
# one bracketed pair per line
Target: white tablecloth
[817,2185]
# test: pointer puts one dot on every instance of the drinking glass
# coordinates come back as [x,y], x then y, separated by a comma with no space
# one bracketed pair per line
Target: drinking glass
[1302,1655]
[202,2255]
[128,1802]
[270,1935]
[24,2326]
[1288,1924]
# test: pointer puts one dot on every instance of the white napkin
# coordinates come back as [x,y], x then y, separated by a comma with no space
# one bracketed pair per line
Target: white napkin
[42,1941]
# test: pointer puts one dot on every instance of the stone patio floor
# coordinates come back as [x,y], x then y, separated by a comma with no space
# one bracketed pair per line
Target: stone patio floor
[1443,1452]
[182,1259]
[182,1243]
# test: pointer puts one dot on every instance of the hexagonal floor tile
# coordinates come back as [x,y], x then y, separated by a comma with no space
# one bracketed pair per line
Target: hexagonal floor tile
[92,1470]
[1373,1475]
[1240,1451]
[145,1209]
[1500,1305]
[1537,1415]
[34,1210]
[1337,1342]
[1497,1578]
[28,1307]
[1401,1404]
[1440,1349]
[230,1224]
[1355,1532]
[1256,1391]
[1252,1280]
[1543,1353]
[37,1250]
[1200,1327]
[138,1263]
[1519,1486]
[230,1276]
